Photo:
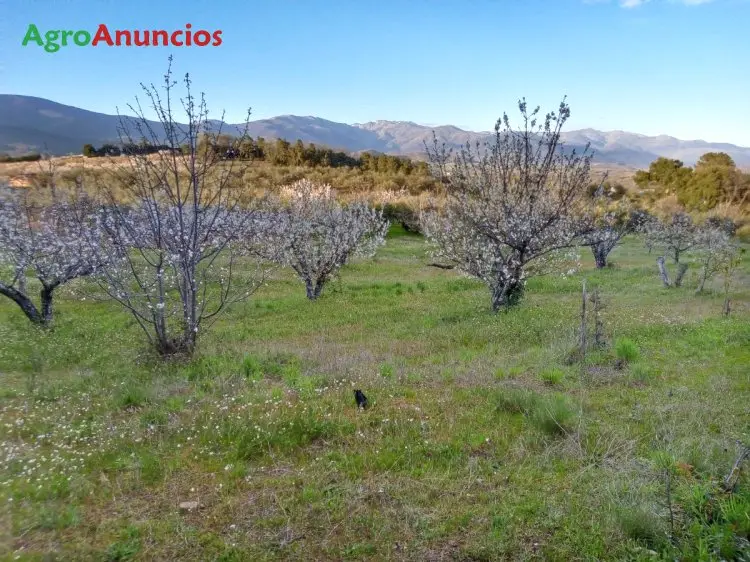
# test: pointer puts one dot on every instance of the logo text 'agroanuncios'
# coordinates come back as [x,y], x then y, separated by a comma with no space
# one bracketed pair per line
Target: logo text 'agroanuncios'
[54,39]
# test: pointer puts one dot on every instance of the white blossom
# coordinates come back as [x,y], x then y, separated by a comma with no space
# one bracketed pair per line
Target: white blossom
[511,205]
[49,239]
[317,235]
[675,236]
[177,225]
[716,252]
[605,223]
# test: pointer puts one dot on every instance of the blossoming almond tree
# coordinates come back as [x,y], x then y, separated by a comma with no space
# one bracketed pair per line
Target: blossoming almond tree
[319,235]
[175,247]
[513,205]
[675,236]
[606,223]
[48,239]
[715,250]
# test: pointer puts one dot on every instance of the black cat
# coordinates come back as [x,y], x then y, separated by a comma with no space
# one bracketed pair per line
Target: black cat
[361,399]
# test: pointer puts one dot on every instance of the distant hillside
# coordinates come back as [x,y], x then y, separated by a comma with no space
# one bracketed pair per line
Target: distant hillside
[29,123]
[613,147]
[321,131]
[34,124]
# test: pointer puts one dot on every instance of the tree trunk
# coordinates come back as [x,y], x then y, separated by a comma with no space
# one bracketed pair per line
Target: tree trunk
[663,271]
[163,344]
[319,288]
[182,345]
[46,295]
[600,255]
[310,289]
[23,302]
[507,292]
[167,345]
[727,306]
[188,341]
[313,288]
[680,274]
[702,283]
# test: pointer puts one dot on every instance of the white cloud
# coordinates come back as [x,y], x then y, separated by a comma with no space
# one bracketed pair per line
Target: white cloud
[632,3]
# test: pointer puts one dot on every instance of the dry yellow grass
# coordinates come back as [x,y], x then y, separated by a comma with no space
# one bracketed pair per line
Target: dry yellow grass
[413,191]
[19,173]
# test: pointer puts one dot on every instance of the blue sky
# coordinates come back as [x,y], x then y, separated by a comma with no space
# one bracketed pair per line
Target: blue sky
[678,67]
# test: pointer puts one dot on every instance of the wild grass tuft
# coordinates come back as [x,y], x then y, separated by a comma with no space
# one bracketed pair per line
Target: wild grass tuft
[626,350]
[552,414]
[552,377]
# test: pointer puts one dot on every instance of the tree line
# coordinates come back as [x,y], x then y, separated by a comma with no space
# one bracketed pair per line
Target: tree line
[278,152]
[31,157]
[109,149]
[714,180]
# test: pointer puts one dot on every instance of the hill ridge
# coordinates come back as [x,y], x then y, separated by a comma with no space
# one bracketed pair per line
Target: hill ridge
[31,123]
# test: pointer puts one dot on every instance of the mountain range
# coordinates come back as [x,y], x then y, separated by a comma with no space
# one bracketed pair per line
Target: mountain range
[34,124]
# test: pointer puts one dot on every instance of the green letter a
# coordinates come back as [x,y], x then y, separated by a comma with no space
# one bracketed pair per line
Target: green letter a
[32,34]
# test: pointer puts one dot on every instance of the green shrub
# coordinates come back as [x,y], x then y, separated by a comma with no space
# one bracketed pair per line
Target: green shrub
[252,367]
[552,376]
[626,350]
[404,214]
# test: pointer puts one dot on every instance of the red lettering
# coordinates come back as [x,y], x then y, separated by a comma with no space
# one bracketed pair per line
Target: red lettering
[163,34]
[175,42]
[202,38]
[102,34]
[119,34]
[142,38]
[141,41]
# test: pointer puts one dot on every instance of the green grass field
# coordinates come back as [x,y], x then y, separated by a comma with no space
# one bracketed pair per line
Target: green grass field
[481,442]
